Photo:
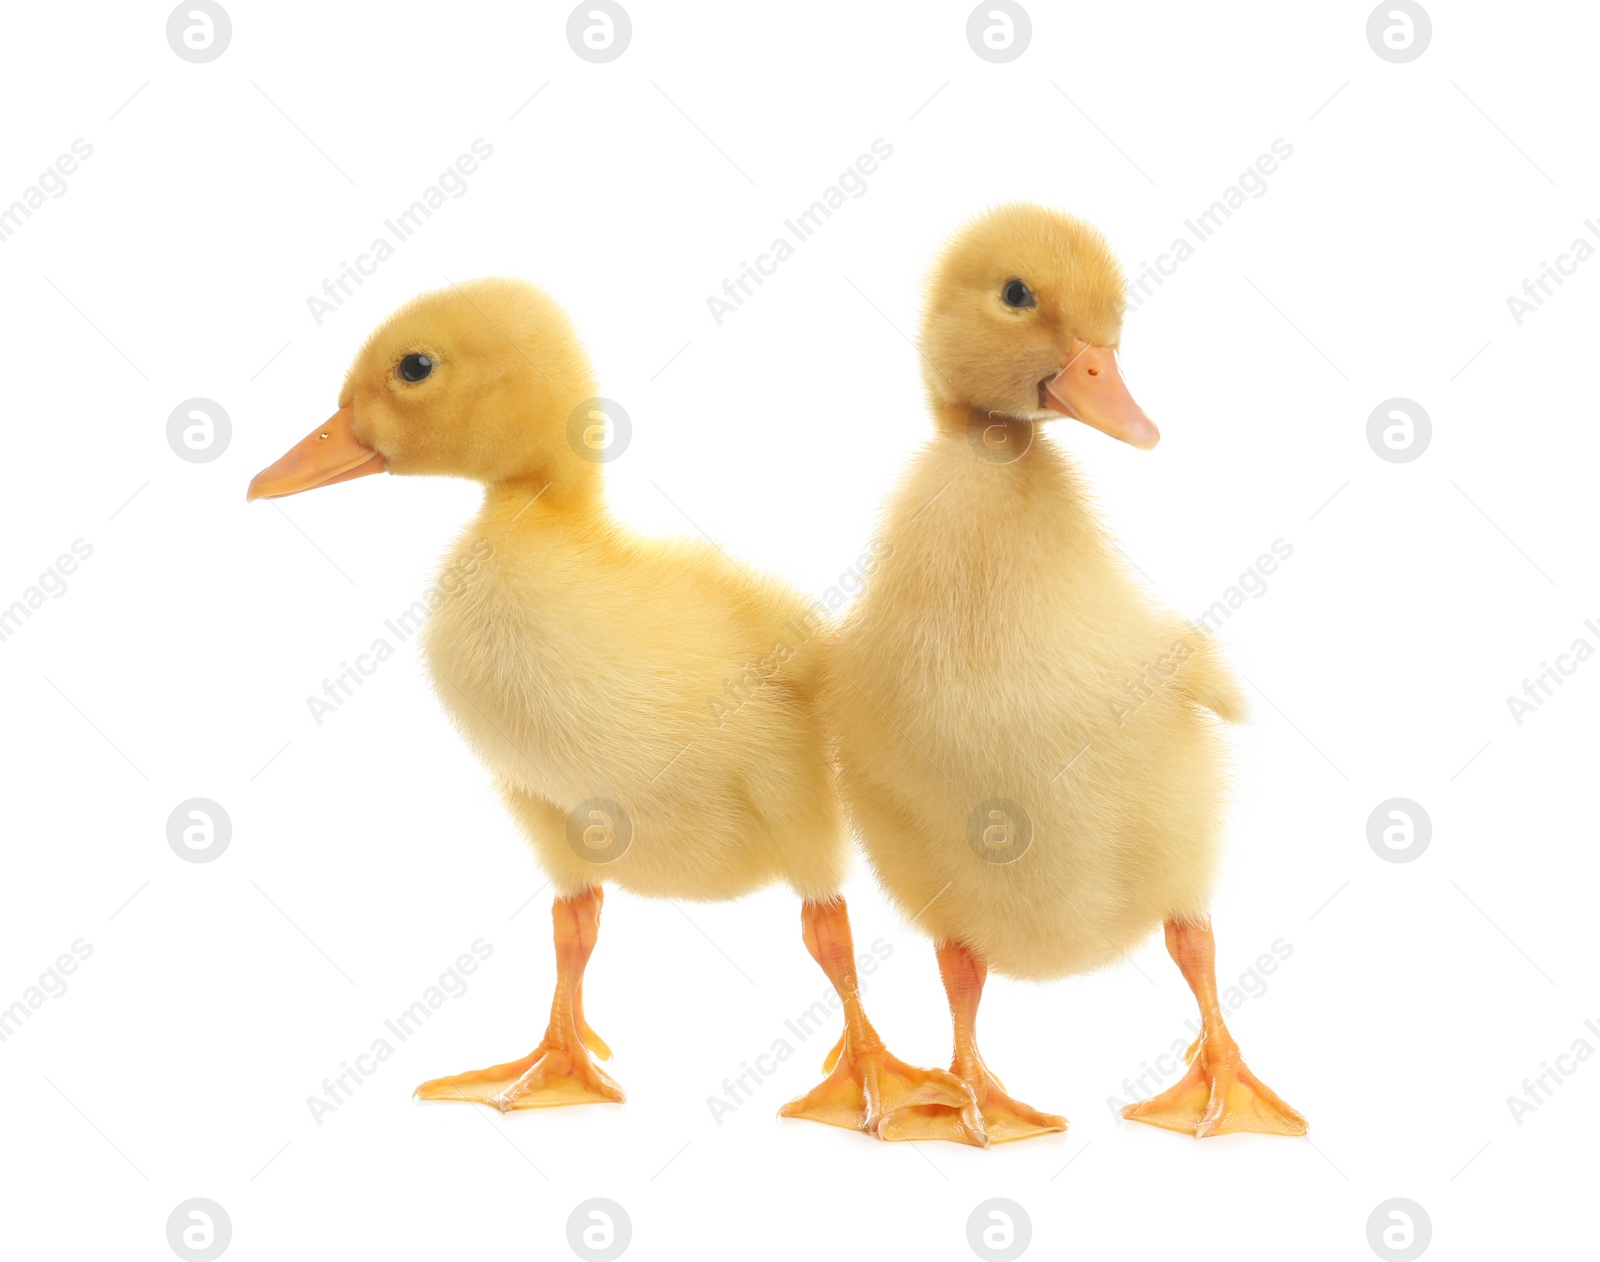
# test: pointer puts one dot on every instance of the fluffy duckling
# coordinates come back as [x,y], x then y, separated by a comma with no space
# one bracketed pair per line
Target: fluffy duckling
[588,670]
[1029,748]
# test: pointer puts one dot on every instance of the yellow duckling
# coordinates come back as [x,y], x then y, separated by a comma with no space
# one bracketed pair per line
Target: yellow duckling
[1028,747]
[587,669]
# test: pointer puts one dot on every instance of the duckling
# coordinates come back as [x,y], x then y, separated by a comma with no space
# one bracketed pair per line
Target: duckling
[588,670]
[1029,748]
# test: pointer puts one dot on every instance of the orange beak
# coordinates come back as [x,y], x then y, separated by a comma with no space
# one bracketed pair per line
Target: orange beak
[328,454]
[1090,389]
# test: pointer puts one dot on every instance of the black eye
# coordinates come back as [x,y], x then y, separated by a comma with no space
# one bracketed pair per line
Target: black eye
[415,367]
[1016,294]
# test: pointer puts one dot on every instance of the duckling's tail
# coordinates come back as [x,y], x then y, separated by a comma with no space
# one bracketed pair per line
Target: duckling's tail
[1206,680]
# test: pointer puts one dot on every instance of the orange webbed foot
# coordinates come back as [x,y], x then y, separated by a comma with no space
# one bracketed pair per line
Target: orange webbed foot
[1000,1118]
[869,1086]
[1218,1095]
[865,1084]
[559,1071]
[1004,1118]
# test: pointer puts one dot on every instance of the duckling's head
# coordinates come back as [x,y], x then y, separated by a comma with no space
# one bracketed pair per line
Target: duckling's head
[1022,320]
[477,381]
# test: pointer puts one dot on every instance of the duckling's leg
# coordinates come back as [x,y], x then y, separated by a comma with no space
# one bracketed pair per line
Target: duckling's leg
[866,1084]
[591,1040]
[559,1070]
[1003,1117]
[1218,1094]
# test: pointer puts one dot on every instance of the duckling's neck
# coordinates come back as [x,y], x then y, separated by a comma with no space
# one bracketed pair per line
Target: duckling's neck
[959,418]
[534,499]
[1009,442]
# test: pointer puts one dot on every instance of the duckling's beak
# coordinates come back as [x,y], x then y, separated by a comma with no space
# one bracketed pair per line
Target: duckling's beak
[328,454]
[1090,389]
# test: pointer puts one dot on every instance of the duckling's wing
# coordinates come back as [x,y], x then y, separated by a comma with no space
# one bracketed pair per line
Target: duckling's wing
[1205,679]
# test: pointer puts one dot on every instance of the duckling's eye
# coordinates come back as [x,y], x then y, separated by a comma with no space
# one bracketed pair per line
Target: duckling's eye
[415,367]
[1016,294]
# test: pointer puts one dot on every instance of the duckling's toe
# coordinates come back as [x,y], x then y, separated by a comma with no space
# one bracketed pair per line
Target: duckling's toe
[558,1078]
[557,1072]
[1007,1119]
[965,1125]
[1003,1118]
[1218,1096]
[868,1086]
[479,1085]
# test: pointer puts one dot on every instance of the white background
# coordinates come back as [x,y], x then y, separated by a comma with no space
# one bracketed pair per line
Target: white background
[178,661]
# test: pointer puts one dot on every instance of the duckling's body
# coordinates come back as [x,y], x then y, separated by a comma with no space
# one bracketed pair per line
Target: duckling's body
[648,707]
[582,663]
[998,639]
[1028,746]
